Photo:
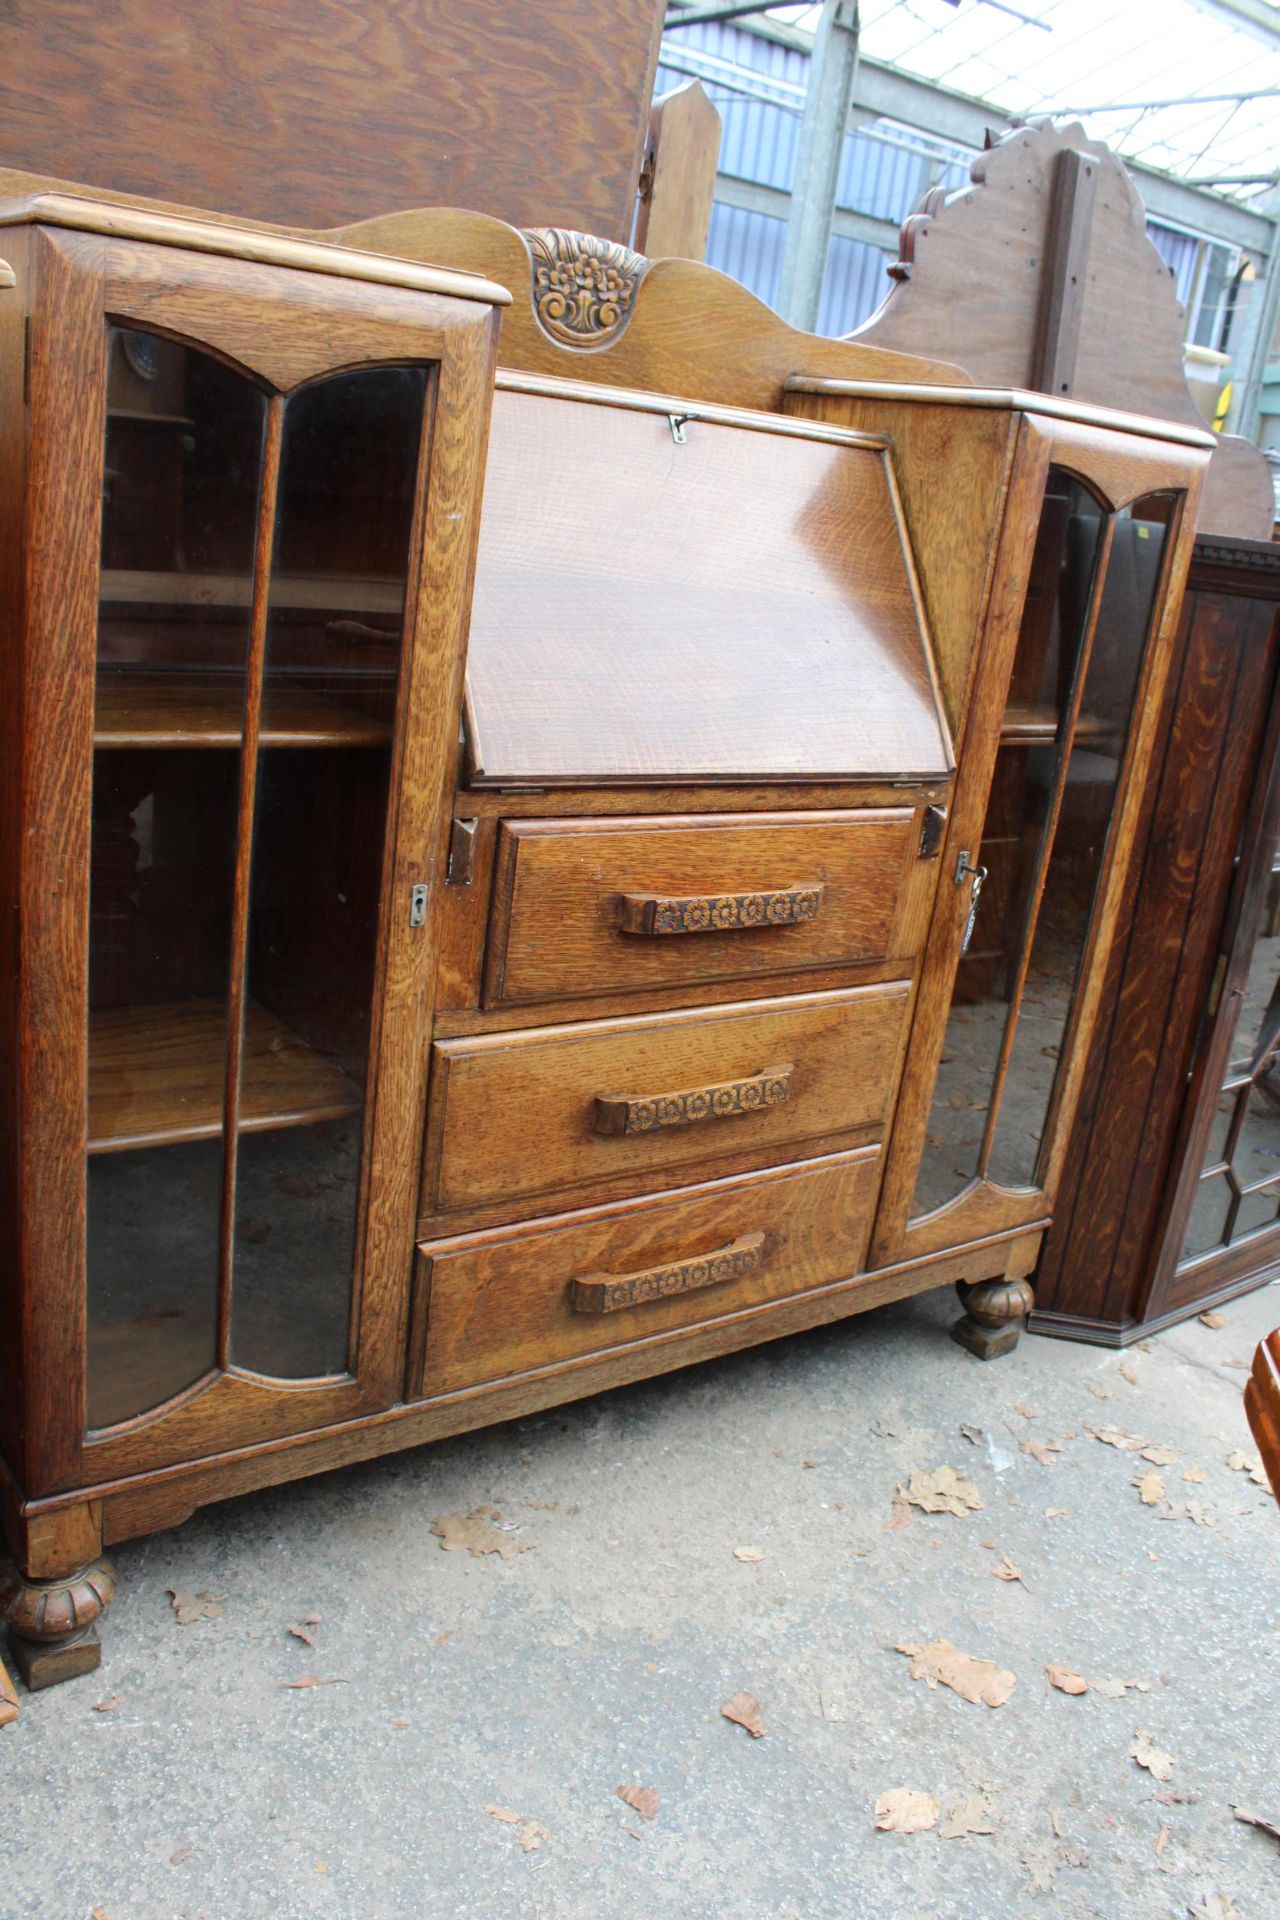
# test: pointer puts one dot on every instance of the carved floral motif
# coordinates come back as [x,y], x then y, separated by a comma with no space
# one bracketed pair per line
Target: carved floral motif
[583,287]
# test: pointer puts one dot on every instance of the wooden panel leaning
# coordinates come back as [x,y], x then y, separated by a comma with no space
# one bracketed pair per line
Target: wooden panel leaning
[1262,1404]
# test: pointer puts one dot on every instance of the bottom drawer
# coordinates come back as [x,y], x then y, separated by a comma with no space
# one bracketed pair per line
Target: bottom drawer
[500,1304]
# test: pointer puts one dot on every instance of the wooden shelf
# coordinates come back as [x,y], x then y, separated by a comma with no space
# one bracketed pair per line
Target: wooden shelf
[157,1074]
[1036,726]
[332,594]
[144,710]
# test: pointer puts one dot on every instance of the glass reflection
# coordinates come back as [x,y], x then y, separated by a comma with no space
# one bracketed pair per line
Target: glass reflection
[1052,797]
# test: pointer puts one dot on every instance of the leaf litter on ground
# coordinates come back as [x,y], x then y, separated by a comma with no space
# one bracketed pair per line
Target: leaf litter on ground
[1147,1754]
[945,1490]
[190,1607]
[744,1710]
[478,1532]
[906,1810]
[981,1682]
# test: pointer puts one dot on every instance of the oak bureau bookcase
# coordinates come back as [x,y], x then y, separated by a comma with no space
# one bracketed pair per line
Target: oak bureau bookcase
[383,1062]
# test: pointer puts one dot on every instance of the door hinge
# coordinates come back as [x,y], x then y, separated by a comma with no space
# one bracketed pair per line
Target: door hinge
[418,905]
[462,854]
[935,819]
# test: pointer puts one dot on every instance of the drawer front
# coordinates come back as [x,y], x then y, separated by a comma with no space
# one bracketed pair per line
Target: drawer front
[631,1104]
[499,1305]
[594,906]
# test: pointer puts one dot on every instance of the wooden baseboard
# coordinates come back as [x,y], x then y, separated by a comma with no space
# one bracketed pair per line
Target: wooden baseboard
[150,1502]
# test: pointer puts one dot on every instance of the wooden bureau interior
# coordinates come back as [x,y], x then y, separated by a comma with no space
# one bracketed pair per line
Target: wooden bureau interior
[392,1055]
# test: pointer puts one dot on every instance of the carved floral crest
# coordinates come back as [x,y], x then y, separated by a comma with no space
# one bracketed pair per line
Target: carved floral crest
[584,288]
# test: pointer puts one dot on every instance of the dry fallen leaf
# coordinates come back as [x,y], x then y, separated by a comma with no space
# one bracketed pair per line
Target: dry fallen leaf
[311,1680]
[1177,1798]
[1257,1820]
[1028,1413]
[1162,1839]
[1212,1319]
[1194,1477]
[1117,1437]
[905,1810]
[1218,1906]
[1116,1689]
[1160,1456]
[744,1710]
[1055,1821]
[477,1533]
[945,1490]
[183,1853]
[1250,1463]
[1099,1393]
[303,1633]
[531,1835]
[1041,1450]
[1056,1513]
[901,1517]
[966,1817]
[1065,1680]
[643,1799]
[1128,1373]
[1150,1487]
[1189,1510]
[748,1553]
[1005,1570]
[503,1813]
[105,1706]
[195,1606]
[979,1681]
[1147,1754]
[808,1463]
[971,1433]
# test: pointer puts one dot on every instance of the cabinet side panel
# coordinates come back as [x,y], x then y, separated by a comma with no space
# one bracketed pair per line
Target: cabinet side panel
[13,314]
[62,515]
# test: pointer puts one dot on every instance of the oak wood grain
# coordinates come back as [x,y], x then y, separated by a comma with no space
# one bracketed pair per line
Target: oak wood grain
[500,1307]
[156,1074]
[696,558]
[557,930]
[144,710]
[311,113]
[491,1095]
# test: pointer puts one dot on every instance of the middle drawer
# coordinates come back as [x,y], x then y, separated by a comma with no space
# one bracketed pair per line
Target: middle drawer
[627,1105]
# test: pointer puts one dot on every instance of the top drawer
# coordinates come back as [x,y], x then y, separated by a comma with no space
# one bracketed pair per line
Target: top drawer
[613,906]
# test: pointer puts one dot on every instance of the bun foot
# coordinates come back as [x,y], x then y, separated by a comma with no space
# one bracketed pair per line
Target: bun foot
[53,1631]
[994,1311]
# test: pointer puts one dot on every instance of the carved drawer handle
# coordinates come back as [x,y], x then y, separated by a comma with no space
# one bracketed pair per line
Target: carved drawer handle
[717,912]
[607,1292]
[646,1112]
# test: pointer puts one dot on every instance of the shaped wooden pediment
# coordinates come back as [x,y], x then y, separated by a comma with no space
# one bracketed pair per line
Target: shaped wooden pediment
[1040,274]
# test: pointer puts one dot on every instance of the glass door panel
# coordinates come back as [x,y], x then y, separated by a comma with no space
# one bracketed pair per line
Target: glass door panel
[1238,1192]
[348,486]
[1063,738]
[183,452]
[254,577]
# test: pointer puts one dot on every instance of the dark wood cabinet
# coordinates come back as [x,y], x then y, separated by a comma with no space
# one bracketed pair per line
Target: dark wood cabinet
[1172,1185]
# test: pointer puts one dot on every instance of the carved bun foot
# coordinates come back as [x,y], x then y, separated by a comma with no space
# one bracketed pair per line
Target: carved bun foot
[994,1311]
[53,1631]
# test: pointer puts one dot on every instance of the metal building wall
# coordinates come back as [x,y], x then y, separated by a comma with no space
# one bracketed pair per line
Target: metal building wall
[884,173]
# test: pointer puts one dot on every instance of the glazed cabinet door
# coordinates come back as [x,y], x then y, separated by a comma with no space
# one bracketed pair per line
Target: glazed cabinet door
[273,519]
[1094,547]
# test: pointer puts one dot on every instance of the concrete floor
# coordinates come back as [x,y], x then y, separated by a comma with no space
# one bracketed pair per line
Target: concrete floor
[541,1682]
